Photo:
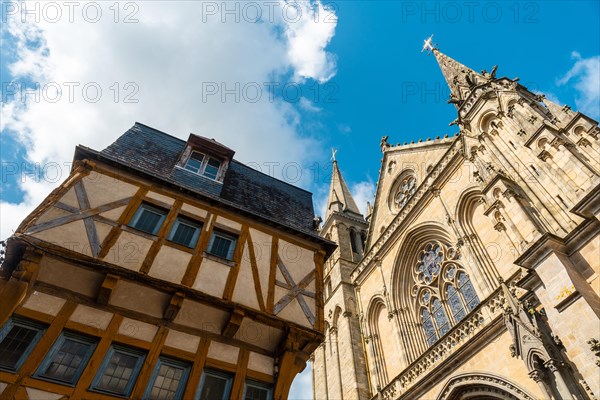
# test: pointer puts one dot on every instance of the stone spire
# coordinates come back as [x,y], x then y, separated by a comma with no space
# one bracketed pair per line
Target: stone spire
[340,199]
[460,78]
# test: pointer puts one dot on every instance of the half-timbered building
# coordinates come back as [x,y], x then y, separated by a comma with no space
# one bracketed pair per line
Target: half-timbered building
[162,269]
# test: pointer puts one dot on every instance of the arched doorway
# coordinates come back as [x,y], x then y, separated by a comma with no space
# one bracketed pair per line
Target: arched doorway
[480,386]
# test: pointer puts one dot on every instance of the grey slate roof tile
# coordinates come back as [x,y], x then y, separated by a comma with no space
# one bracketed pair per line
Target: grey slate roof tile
[156,153]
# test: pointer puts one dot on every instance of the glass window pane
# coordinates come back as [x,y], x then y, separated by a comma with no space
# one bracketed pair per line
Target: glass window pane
[169,382]
[119,372]
[222,245]
[256,392]
[68,361]
[467,290]
[147,221]
[212,168]
[185,233]
[215,387]
[441,319]
[428,327]
[194,163]
[15,345]
[456,306]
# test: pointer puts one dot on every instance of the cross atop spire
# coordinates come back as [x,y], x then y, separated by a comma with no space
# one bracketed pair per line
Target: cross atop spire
[428,45]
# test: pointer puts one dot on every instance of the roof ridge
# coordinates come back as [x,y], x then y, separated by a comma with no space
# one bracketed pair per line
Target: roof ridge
[159,131]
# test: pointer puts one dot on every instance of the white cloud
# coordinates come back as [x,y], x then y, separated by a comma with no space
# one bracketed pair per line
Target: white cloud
[585,75]
[308,105]
[363,192]
[344,128]
[309,37]
[170,62]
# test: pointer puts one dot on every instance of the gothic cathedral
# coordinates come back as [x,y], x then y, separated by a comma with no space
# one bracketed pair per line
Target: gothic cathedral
[475,275]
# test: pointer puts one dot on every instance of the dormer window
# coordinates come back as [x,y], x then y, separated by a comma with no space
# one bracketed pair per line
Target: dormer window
[205,157]
[203,165]
[212,168]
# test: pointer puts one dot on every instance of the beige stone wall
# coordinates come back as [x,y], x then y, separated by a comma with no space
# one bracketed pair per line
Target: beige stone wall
[493,359]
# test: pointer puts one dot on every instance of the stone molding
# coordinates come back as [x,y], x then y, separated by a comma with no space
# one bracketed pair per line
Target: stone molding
[462,333]
[481,382]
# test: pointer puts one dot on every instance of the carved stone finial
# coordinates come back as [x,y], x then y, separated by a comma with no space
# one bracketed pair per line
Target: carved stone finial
[513,350]
[384,143]
[536,375]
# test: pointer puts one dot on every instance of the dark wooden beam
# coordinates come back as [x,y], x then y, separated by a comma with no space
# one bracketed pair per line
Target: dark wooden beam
[174,306]
[106,289]
[234,323]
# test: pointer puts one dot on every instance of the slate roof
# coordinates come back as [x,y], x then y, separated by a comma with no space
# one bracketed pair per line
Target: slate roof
[155,153]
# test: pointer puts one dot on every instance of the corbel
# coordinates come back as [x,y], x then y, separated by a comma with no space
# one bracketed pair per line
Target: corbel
[106,289]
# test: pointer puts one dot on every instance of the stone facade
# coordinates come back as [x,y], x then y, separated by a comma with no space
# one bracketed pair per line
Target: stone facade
[479,276]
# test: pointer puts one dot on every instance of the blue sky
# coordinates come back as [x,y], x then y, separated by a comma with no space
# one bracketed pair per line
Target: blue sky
[353,72]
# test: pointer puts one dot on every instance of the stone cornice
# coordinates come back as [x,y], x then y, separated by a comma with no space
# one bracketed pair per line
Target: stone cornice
[432,180]
[589,206]
[549,243]
[341,215]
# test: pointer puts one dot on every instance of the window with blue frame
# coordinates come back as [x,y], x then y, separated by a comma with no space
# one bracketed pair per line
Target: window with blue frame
[185,232]
[119,370]
[18,337]
[215,385]
[67,358]
[168,380]
[148,218]
[254,390]
[222,244]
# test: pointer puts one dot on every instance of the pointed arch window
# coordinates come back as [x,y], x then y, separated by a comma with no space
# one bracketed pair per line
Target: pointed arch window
[444,292]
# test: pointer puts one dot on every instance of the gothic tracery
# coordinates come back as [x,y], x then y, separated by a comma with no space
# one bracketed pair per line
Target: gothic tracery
[406,187]
[443,290]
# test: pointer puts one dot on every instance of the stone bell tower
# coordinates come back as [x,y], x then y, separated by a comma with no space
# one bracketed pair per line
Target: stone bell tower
[339,370]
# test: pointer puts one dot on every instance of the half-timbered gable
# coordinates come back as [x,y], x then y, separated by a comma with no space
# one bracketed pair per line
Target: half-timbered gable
[172,258]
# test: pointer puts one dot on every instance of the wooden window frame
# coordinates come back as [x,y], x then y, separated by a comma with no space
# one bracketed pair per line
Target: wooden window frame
[152,208]
[186,366]
[92,342]
[189,222]
[205,159]
[216,373]
[259,385]
[24,323]
[141,356]
[232,237]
